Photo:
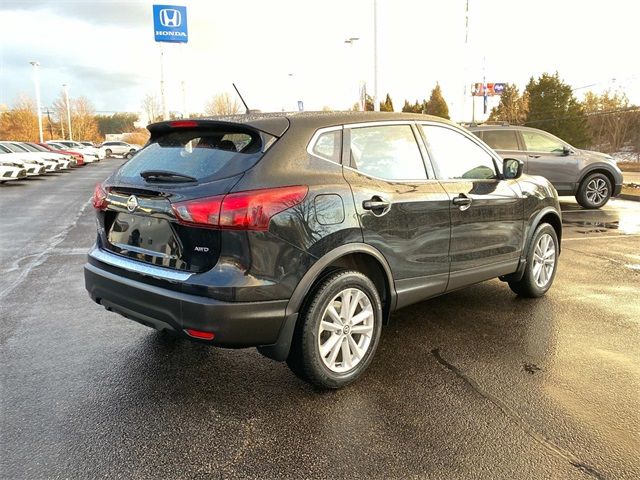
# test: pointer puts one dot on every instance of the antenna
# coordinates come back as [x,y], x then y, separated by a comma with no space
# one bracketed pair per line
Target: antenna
[244,103]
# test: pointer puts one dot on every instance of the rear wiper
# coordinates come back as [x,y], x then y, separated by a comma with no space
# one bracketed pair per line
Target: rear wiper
[166,176]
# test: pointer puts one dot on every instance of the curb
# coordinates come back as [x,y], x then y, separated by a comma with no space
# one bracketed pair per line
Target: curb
[633,198]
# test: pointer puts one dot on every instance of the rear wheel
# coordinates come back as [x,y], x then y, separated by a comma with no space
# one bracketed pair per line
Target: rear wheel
[594,191]
[339,330]
[542,263]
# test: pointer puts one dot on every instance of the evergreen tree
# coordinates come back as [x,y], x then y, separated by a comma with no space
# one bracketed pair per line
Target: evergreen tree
[512,108]
[368,103]
[417,107]
[436,104]
[387,105]
[553,108]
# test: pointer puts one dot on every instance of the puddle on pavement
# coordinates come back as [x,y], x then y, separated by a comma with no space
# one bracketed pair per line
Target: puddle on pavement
[586,227]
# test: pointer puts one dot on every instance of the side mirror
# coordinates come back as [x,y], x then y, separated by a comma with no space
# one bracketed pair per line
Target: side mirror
[512,168]
[566,151]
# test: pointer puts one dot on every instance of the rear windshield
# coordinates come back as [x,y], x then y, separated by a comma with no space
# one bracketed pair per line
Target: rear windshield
[203,154]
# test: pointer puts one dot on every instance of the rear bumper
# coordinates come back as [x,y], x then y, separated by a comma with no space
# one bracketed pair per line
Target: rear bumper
[235,324]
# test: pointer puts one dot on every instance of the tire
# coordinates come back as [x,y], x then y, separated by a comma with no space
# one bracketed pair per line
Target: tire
[108,153]
[536,281]
[594,191]
[311,334]
[129,155]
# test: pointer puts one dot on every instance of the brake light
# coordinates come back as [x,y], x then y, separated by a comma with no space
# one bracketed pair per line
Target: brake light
[99,199]
[183,124]
[200,212]
[250,210]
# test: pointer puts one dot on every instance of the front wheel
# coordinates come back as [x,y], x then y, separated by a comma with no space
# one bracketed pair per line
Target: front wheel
[542,263]
[338,332]
[594,191]
[108,153]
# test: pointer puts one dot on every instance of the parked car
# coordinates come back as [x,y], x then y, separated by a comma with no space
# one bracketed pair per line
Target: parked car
[32,167]
[124,149]
[301,233]
[88,156]
[79,158]
[591,177]
[79,147]
[10,171]
[65,161]
[49,164]
[88,144]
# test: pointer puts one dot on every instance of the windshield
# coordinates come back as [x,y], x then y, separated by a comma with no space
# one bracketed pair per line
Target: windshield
[15,148]
[203,155]
[38,148]
[30,148]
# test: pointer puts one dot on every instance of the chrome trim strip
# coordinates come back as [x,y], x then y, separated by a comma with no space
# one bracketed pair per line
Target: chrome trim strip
[138,267]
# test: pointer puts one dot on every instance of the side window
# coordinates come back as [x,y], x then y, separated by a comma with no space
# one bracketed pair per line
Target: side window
[387,151]
[501,139]
[539,142]
[328,145]
[457,156]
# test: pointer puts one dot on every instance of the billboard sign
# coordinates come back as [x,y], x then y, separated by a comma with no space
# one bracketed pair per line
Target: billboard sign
[492,89]
[170,23]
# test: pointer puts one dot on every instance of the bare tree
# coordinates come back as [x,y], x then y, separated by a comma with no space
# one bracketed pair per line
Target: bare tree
[222,104]
[151,107]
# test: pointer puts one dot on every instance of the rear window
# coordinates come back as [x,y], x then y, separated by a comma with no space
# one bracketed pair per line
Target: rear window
[203,154]
[501,139]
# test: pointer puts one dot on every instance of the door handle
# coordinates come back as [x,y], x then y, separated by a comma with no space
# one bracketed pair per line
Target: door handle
[377,205]
[533,156]
[462,201]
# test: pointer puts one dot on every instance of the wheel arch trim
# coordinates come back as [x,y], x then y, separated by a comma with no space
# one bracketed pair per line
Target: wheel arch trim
[307,281]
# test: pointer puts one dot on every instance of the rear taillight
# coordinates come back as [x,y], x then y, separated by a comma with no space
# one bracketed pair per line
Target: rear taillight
[251,210]
[99,199]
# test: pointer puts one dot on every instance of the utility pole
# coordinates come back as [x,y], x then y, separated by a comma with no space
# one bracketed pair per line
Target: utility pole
[163,98]
[50,126]
[184,101]
[66,95]
[376,105]
[36,82]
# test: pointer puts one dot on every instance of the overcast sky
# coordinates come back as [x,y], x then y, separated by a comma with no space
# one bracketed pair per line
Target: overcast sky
[105,50]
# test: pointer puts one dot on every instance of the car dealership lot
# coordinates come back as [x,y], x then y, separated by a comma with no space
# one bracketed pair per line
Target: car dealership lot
[477,383]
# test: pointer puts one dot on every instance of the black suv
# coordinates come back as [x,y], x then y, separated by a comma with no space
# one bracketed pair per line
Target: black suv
[301,233]
[592,177]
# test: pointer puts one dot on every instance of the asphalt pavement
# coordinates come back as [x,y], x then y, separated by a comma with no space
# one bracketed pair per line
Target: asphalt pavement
[475,384]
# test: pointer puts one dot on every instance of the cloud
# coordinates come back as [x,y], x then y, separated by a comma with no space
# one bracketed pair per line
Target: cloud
[98,12]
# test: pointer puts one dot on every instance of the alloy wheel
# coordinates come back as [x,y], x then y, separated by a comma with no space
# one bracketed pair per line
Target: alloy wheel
[346,330]
[597,191]
[544,260]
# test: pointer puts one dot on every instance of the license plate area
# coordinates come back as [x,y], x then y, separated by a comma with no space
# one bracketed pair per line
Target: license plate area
[149,239]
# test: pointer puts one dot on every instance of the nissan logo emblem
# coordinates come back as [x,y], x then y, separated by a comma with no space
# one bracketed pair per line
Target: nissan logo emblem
[132,203]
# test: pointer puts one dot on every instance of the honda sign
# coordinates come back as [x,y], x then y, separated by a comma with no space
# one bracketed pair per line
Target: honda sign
[170,23]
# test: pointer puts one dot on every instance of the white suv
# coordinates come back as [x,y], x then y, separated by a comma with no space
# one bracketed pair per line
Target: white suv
[119,148]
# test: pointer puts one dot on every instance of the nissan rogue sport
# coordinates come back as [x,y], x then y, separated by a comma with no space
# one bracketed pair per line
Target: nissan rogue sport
[301,233]
[591,177]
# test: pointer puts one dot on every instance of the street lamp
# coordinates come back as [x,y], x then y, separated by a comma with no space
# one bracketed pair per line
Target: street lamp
[36,82]
[66,96]
[352,41]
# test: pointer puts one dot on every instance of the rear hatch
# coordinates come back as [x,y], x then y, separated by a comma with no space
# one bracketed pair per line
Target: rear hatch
[160,206]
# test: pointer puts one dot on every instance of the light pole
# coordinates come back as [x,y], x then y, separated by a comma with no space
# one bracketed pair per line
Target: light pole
[36,81]
[66,96]
[376,105]
[352,41]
